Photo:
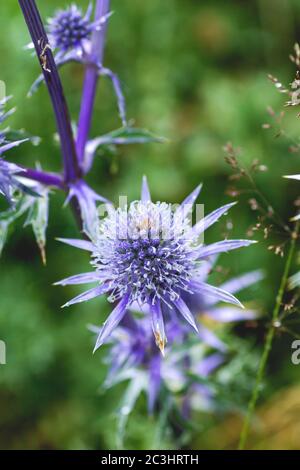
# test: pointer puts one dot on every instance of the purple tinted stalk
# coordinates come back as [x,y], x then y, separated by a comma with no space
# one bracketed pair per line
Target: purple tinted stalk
[52,80]
[91,80]
[48,179]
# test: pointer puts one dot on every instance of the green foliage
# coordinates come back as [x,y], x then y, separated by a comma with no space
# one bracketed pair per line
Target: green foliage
[196,73]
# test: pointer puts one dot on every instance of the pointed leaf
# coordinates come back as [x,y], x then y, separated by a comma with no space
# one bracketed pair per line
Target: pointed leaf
[242,282]
[206,267]
[145,192]
[136,386]
[80,279]
[112,321]
[88,295]
[210,219]
[118,92]
[210,338]
[81,244]
[187,205]
[215,292]
[230,314]
[38,219]
[11,145]
[221,247]
[185,312]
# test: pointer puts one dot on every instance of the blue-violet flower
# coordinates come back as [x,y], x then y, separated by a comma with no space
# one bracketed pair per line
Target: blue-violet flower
[149,255]
[8,171]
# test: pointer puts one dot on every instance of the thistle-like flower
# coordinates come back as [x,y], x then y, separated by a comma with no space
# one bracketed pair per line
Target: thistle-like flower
[70,35]
[71,29]
[134,357]
[149,255]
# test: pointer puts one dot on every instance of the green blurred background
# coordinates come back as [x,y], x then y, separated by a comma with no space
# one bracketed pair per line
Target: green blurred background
[196,73]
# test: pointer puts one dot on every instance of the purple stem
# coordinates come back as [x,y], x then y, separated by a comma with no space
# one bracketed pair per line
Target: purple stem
[91,80]
[52,79]
[48,179]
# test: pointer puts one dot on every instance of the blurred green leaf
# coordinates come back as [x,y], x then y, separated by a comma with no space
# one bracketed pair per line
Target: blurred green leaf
[122,136]
[136,385]
[3,233]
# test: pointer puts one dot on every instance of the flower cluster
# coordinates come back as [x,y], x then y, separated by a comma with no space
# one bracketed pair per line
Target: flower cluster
[70,34]
[148,256]
[134,357]
[9,182]
[71,29]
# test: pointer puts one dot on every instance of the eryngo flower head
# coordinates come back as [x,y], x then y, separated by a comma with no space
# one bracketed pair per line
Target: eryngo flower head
[70,34]
[134,356]
[71,28]
[149,255]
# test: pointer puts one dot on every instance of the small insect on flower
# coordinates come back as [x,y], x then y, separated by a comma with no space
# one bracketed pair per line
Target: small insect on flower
[43,58]
[149,255]
[70,33]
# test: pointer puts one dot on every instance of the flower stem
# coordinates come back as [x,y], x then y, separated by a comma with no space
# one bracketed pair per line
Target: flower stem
[53,82]
[91,80]
[48,179]
[268,342]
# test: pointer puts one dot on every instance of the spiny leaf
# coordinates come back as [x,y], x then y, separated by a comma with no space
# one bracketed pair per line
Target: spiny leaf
[122,136]
[38,219]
